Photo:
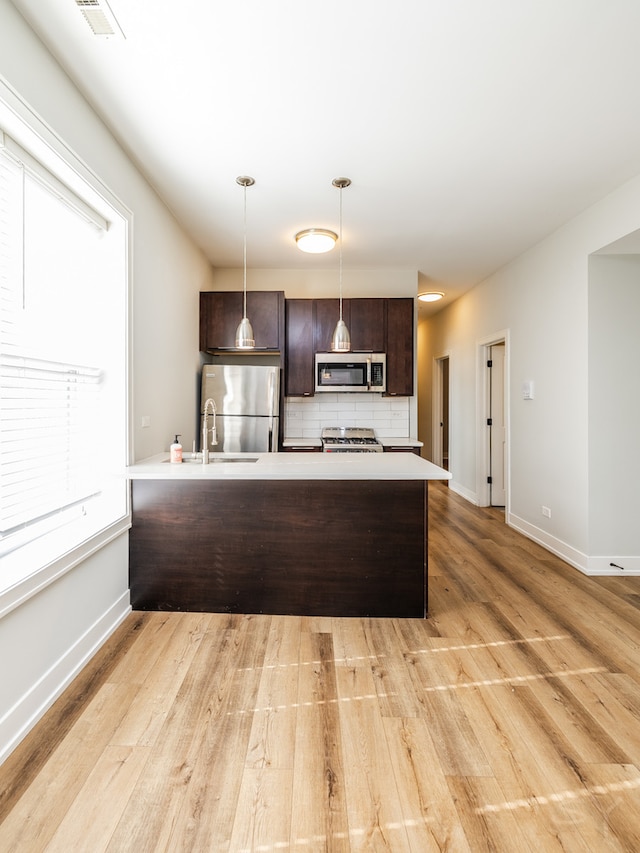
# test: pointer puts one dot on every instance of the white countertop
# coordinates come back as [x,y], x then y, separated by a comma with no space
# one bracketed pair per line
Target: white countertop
[290,466]
[399,442]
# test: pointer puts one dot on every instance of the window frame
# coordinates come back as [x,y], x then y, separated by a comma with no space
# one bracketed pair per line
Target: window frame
[39,563]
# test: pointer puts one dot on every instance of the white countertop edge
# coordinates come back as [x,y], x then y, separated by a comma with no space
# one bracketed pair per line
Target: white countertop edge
[292,466]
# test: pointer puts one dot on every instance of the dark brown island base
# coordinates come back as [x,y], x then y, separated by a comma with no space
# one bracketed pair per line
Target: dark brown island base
[318,536]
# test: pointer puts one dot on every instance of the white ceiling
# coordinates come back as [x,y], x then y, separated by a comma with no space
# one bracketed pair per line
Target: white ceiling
[470,130]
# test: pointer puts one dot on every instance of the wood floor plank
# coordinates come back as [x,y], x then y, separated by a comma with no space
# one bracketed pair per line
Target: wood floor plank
[485,828]
[264,800]
[318,808]
[613,700]
[522,783]
[208,811]
[556,780]
[35,818]
[458,747]
[429,813]
[263,818]
[376,821]
[392,680]
[160,678]
[506,658]
[165,807]
[615,791]
[350,644]
[88,825]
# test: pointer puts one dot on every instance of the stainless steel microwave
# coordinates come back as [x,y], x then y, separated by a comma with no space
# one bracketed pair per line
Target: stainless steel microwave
[351,371]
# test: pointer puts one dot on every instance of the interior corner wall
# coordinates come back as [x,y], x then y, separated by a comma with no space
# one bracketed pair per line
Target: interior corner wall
[58,628]
[542,298]
[614,408]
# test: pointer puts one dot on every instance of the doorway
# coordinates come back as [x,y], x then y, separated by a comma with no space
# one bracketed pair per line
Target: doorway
[441,426]
[496,423]
[492,431]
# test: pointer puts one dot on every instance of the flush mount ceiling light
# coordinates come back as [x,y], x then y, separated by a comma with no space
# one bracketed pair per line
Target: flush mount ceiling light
[244,332]
[315,241]
[430,296]
[341,341]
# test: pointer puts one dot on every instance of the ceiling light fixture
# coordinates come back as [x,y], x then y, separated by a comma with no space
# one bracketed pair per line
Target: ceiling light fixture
[244,332]
[430,296]
[316,241]
[341,341]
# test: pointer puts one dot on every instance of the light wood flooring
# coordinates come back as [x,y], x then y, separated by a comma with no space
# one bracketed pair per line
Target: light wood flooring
[509,720]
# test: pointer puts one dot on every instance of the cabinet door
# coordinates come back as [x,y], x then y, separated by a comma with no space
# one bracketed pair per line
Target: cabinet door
[221,311]
[299,348]
[326,315]
[399,347]
[366,324]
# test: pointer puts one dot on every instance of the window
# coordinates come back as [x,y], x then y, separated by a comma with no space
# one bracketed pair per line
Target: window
[63,362]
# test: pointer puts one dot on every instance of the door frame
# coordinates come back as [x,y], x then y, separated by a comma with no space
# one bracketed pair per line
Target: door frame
[483,491]
[437,409]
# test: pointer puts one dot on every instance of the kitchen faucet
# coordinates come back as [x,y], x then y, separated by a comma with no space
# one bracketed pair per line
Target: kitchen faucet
[205,432]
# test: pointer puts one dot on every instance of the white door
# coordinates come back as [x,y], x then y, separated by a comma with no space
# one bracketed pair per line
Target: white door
[497,426]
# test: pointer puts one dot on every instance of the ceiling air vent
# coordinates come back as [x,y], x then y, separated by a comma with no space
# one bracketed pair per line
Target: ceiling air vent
[98,14]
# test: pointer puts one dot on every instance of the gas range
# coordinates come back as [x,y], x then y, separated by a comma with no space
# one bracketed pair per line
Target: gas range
[350,440]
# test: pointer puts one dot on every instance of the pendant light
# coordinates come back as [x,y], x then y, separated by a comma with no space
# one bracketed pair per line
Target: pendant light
[341,341]
[244,332]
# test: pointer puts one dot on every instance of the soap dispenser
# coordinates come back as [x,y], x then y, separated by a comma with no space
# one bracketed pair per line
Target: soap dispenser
[175,451]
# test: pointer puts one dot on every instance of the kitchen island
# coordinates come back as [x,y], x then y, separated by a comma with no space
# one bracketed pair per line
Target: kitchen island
[312,534]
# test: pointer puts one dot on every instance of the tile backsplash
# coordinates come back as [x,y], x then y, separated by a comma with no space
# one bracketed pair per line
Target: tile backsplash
[305,417]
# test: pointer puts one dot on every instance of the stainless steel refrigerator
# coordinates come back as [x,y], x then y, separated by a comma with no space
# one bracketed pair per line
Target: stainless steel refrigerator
[246,399]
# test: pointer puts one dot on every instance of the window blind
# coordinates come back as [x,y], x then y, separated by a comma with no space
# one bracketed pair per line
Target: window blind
[47,458]
[48,406]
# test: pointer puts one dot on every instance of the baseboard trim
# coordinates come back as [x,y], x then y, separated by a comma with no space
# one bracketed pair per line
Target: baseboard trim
[624,566]
[23,716]
[465,493]
[561,549]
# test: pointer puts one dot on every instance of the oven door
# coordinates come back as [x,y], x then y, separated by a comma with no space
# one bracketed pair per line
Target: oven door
[342,375]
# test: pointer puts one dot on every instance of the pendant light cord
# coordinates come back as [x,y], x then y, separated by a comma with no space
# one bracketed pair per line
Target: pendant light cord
[244,256]
[340,256]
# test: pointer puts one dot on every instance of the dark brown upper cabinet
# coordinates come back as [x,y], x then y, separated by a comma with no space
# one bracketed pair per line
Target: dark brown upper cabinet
[221,311]
[299,348]
[399,347]
[366,324]
[326,313]
[376,325]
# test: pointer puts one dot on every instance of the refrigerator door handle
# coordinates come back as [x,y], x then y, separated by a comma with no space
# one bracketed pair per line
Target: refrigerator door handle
[272,401]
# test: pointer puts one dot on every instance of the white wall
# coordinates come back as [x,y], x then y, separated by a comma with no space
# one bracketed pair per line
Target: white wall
[542,300]
[614,408]
[310,283]
[52,632]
